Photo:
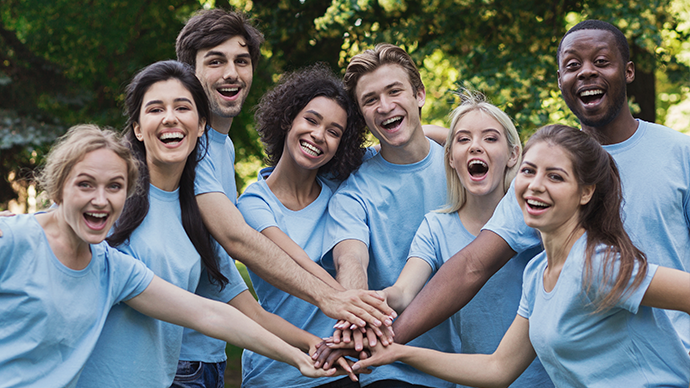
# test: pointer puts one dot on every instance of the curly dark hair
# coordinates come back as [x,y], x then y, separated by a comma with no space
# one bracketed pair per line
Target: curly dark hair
[278,108]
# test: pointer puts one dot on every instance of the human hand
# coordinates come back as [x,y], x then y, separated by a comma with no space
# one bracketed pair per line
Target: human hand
[342,364]
[345,331]
[378,355]
[359,307]
[308,368]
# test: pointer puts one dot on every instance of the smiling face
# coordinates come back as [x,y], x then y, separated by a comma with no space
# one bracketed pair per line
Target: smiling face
[168,125]
[390,106]
[94,194]
[547,189]
[592,76]
[226,73]
[480,154]
[315,134]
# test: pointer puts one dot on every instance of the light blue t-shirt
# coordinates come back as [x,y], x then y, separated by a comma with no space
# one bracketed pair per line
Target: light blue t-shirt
[52,315]
[482,323]
[654,165]
[214,173]
[261,209]
[135,350]
[626,346]
[382,205]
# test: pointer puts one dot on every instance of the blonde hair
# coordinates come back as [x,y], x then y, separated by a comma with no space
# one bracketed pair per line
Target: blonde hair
[472,101]
[71,148]
[370,60]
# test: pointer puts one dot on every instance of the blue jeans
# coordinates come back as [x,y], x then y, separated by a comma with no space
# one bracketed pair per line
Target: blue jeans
[197,374]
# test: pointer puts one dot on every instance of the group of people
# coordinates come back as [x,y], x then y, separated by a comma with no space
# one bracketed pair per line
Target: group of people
[582,238]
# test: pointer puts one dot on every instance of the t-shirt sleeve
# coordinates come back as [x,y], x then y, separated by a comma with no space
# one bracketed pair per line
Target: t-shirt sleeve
[509,224]
[424,246]
[347,220]
[206,180]
[255,210]
[130,276]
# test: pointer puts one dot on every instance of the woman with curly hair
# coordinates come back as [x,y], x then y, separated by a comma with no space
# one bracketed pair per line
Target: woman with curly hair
[313,137]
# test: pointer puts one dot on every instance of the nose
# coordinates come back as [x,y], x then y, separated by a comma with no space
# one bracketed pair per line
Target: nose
[476,147]
[385,105]
[169,118]
[536,183]
[230,72]
[587,71]
[99,199]
[319,134]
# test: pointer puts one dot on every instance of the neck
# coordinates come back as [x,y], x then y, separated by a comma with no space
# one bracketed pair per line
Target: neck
[221,124]
[558,243]
[72,251]
[477,210]
[294,187]
[166,177]
[617,131]
[412,152]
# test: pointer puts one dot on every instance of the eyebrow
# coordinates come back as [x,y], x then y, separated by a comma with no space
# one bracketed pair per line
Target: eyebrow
[547,169]
[87,175]
[317,114]
[483,131]
[179,99]
[222,54]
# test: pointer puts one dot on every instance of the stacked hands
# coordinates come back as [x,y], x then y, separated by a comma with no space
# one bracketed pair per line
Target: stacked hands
[373,321]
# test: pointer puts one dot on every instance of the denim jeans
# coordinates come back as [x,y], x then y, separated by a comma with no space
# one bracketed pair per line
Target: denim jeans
[197,374]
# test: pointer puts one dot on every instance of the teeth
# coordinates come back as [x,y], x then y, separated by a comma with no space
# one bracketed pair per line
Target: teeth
[171,135]
[310,148]
[533,202]
[229,90]
[477,161]
[391,120]
[591,92]
[97,215]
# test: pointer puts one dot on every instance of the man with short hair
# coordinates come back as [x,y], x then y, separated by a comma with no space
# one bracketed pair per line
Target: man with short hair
[654,163]
[223,48]
[375,213]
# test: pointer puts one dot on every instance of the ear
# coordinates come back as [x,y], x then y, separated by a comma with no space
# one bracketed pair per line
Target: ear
[514,156]
[137,131]
[202,127]
[558,76]
[421,96]
[629,72]
[586,194]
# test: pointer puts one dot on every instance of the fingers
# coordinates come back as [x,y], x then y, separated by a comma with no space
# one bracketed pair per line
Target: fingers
[371,337]
[343,364]
[358,337]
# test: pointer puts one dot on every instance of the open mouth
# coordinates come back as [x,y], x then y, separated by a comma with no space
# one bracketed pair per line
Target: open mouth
[229,92]
[592,96]
[310,148]
[391,123]
[477,168]
[537,205]
[96,220]
[171,137]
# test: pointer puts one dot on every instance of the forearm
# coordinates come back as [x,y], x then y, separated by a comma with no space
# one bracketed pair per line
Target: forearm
[351,259]
[461,277]
[257,252]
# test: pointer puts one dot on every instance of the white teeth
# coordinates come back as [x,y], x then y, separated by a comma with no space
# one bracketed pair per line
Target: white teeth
[391,120]
[477,161]
[97,215]
[171,135]
[591,92]
[533,202]
[310,148]
[229,90]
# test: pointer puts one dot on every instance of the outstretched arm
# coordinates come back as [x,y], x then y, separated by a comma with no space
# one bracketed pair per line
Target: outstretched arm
[272,264]
[461,277]
[164,301]
[410,281]
[669,289]
[513,356]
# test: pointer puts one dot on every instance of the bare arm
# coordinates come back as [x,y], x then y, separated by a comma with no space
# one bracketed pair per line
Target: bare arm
[285,243]
[411,280]
[513,356]
[164,301]
[351,260]
[462,276]
[272,264]
[669,289]
[436,133]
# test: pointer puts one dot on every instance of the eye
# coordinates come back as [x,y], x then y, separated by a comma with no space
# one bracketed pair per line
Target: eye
[492,139]
[84,184]
[555,177]
[395,92]
[154,109]
[462,139]
[572,65]
[184,108]
[601,62]
[368,101]
[335,133]
[115,186]
[527,171]
[214,62]
[243,61]
[311,120]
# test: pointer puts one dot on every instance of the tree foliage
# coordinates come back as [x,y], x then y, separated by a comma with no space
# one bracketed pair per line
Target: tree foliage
[64,62]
